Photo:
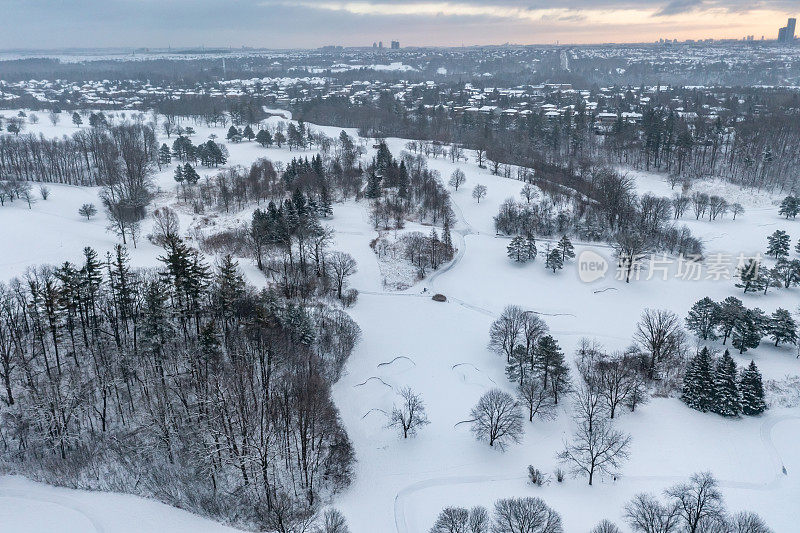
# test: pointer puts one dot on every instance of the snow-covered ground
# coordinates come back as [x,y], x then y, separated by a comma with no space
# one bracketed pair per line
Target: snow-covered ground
[439,349]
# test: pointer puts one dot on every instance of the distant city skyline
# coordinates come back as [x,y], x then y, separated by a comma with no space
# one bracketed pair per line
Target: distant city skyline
[41,24]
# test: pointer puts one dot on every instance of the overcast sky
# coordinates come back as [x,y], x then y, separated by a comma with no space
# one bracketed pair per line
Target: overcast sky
[312,23]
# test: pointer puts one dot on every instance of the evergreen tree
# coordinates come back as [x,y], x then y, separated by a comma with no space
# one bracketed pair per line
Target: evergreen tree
[179,177]
[790,207]
[698,382]
[750,276]
[233,134]
[530,246]
[748,329]
[566,248]
[248,133]
[76,119]
[554,261]
[164,155]
[703,318]
[325,203]
[264,138]
[752,391]
[402,182]
[730,310]
[447,239]
[373,185]
[190,174]
[782,327]
[727,401]
[778,244]
[516,249]
[551,366]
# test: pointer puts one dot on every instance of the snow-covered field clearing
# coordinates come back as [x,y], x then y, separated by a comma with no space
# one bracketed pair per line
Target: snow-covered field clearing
[439,349]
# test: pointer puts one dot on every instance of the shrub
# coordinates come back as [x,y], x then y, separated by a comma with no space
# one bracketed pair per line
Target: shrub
[349,297]
[536,476]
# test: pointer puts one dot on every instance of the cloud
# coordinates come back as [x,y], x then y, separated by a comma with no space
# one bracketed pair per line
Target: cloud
[676,7]
[312,23]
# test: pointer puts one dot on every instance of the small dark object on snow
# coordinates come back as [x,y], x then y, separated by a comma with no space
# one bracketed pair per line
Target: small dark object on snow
[439,298]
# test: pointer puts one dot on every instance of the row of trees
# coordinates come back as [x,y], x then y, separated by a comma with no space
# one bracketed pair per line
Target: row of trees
[606,207]
[523,249]
[696,506]
[209,153]
[180,383]
[88,158]
[718,386]
[750,149]
[745,327]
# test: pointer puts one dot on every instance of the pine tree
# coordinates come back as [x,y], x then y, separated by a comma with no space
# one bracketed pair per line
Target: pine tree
[264,138]
[752,391]
[698,382]
[703,318]
[727,401]
[233,133]
[750,276]
[190,174]
[530,246]
[554,261]
[782,327]
[402,181]
[551,366]
[790,207]
[748,329]
[248,133]
[516,250]
[373,186]
[325,203]
[778,244]
[566,248]
[730,310]
[164,155]
[179,177]
[447,239]
[76,119]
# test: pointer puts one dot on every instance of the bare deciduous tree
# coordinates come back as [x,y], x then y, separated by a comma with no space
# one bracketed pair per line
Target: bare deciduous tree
[536,398]
[505,333]
[479,192]
[606,526]
[410,414]
[645,514]
[496,419]
[699,501]
[457,179]
[452,520]
[596,448]
[333,521]
[341,266]
[525,515]
[660,335]
[165,226]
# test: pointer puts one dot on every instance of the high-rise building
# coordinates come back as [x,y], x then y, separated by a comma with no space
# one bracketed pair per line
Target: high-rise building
[786,34]
[395,45]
